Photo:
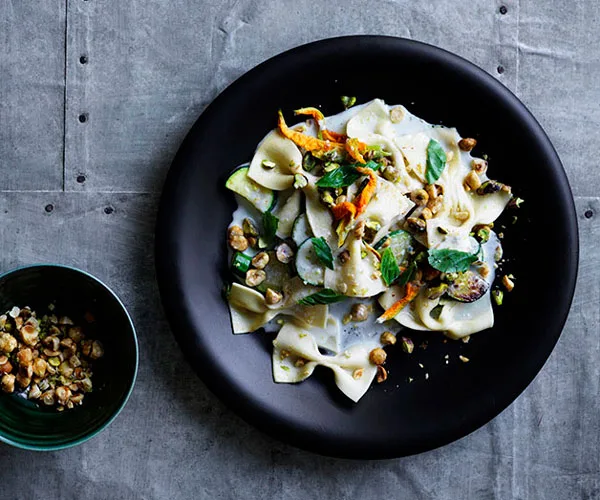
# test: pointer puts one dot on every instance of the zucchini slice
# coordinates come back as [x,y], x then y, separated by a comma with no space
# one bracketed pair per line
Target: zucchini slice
[262,198]
[310,269]
[301,230]
[401,243]
[278,274]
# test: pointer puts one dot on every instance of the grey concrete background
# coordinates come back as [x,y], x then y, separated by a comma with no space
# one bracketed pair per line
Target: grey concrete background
[152,67]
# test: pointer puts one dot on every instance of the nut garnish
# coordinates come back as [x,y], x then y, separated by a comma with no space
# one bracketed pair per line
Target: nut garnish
[358,373]
[467,144]
[508,283]
[479,166]
[388,338]
[236,238]
[407,345]
[255,277]
[272,297]
[396,114]
[359,312]
[472,181]
[382,374]
[284,253]
[377,356]
[260,260]
[464,359]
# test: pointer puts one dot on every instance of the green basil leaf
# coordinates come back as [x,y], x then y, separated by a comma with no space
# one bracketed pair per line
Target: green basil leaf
[270,223]
[451,261]
[325,296]
[389,267]
[436,161]
[322,251]
[408,274]
[342,176]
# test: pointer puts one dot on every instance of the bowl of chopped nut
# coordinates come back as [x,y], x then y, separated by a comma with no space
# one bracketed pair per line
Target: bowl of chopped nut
[68,357]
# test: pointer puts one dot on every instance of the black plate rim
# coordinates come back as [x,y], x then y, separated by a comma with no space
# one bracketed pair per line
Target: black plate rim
[249,411]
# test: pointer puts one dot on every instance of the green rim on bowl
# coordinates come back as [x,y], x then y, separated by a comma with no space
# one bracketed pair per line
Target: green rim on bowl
[26,425]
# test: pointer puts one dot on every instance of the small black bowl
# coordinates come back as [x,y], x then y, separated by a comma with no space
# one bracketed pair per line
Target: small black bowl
[395,418]
[25,424]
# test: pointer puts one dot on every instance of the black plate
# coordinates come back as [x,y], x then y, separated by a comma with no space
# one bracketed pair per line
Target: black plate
[396,418]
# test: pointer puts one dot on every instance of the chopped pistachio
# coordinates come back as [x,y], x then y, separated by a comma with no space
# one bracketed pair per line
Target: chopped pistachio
[498,296]
[464,359]
[348,101]
[516,202]
[407,345]
[508,283]
[300,181]
[268,164]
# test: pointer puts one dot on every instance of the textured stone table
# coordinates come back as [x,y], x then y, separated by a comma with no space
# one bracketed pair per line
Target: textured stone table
[96,96]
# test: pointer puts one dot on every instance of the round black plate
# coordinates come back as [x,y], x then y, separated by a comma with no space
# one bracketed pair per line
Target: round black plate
[396,418]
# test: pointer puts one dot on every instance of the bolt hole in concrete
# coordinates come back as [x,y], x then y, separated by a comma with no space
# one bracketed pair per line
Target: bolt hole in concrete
[83,118]
[503,10]
[108,210]
[49,207]
[500,69]
[81,178]
[83,59]
[589,214]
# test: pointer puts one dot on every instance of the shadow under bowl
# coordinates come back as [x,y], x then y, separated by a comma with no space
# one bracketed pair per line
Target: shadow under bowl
[24,423]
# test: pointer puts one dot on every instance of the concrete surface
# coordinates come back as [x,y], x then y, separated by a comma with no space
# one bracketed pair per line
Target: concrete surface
[152,66]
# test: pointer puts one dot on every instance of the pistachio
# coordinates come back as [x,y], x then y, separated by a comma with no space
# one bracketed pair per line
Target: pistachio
[377,356]
[268,164]
[419,197]
[471,181]
[348,101]
[249,227]
[498,296]
[387,338]
[255,277]
[407,345]
[442,230]
[391,173]
[396,114]
[479,166]
[344,257]
[508,283]
[371,229]
[327,198]
[416,225]
[467,144]
[300,181]
[436,292]
[260,260]
[381,374]
[284,253]
[359,312]
[482,233]
[330,166]
[515,202]
[272,297]
[54,361]
[8,382]
[490,187]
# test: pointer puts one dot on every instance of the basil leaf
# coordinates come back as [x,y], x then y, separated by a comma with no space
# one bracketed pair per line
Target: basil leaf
[451,261]
[322,251]
[389,267]
[408,274]
[436,161]
[270,223]
[325,296]
[342,176]
[345,175]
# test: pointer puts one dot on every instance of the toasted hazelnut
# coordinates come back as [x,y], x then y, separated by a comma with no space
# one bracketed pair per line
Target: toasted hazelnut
[472,181]
[6,367]
[462,216]
[435,204]
[25,356]
[508,283]
[396,114]
[62,394]
[284,253]
[358,373]
[22,380]
[381,374]
[97,350]
[419,197]
[39,367]
[7,342]
[48,397]
[300,362]
[75,333]
[8,383]
[467,144]
[272,297]
[236,238]
[426,214]
[260,260]
[416,225]
[388,338]
[479,166]
[29,334]
[255,277]
[377,356]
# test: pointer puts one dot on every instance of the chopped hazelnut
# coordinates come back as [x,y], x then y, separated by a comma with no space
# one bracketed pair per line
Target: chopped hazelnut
[344,257]
[358,373]
[381,374]
[467,144]
[260,260]
[8,382]
[388,338]
[396,114]
[255,277]
[272,297]
[419,197]
[508,283]
[359,312]
[479,166]
[377,356]
[472,181]
[284,253]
